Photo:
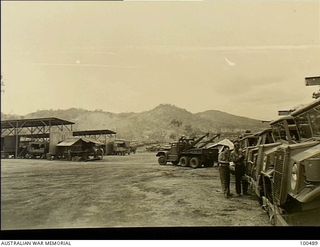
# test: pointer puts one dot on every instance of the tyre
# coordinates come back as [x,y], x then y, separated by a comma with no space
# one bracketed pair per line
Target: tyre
[175,163]
[184,161]
[162,160]
[194,162]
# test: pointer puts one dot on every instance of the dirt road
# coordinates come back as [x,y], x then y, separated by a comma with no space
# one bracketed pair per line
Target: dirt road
[118,191]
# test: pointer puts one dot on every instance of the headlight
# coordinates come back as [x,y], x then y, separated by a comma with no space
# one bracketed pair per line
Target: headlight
[294,176]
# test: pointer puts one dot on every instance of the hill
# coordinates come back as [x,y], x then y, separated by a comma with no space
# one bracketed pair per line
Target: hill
[164,122]
[229,121]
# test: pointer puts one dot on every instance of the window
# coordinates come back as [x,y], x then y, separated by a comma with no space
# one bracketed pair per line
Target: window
[35,146]
[303,126]
[279,132]
[275,133]
[314,116]
[282,131]
[252,141]
[269,138]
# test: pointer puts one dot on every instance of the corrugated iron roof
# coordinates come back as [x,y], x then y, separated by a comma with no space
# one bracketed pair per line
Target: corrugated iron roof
[41,135]
[33,122]
[68,142]
[93,132]
[88,140]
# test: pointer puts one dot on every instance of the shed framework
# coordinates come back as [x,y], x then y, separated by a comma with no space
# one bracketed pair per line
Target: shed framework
[101,135]
[33,125]
[32,128]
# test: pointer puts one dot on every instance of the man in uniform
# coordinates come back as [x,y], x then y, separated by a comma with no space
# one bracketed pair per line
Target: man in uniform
[237,158]
[224,170]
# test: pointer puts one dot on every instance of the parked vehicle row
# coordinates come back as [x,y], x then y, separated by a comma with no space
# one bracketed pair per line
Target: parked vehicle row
[283,166]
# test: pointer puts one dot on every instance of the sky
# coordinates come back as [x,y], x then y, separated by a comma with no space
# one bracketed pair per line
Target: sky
[244,57]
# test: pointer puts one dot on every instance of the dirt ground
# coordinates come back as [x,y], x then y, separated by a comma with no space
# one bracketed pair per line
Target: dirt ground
[118,191]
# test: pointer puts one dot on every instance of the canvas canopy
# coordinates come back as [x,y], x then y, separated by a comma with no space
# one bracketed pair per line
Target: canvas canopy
[71,141]
[68,142]
[220,144]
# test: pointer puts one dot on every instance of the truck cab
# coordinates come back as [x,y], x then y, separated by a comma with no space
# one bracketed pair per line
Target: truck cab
[174,153]
[291,170]
[37,149]
[186,152]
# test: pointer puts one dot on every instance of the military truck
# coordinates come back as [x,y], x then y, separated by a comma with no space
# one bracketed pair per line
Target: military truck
[8,146]
[251,153]
[282,130]
[35,149]
[185,152]
[247,141]
[118,147]
[158,147]
[285,174]
[133,149]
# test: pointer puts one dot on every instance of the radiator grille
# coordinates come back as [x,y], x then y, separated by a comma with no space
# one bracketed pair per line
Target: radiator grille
[278,176]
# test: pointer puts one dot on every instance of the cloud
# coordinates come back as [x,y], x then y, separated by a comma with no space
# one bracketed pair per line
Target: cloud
[229,62]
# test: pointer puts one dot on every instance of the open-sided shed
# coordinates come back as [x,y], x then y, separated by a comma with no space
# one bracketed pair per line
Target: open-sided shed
[12,131]
[100,135]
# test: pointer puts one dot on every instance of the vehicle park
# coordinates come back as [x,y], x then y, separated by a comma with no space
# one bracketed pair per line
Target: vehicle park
[42,163]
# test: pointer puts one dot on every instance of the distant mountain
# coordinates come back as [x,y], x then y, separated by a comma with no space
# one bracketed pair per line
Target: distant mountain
[10,116]
[164,122]
[229,121]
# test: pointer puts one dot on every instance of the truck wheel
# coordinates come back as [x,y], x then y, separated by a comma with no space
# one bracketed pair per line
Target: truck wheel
[162,160]
[184,161]
[194,162]
[175,163]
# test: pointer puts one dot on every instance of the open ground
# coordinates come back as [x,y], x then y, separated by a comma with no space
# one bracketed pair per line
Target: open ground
[119,191]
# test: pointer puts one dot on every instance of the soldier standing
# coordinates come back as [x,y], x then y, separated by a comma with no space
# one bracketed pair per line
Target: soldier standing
[69,154]
[224,170]
[237,158]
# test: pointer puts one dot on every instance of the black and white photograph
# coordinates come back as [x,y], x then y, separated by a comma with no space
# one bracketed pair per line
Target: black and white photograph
[160,113]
